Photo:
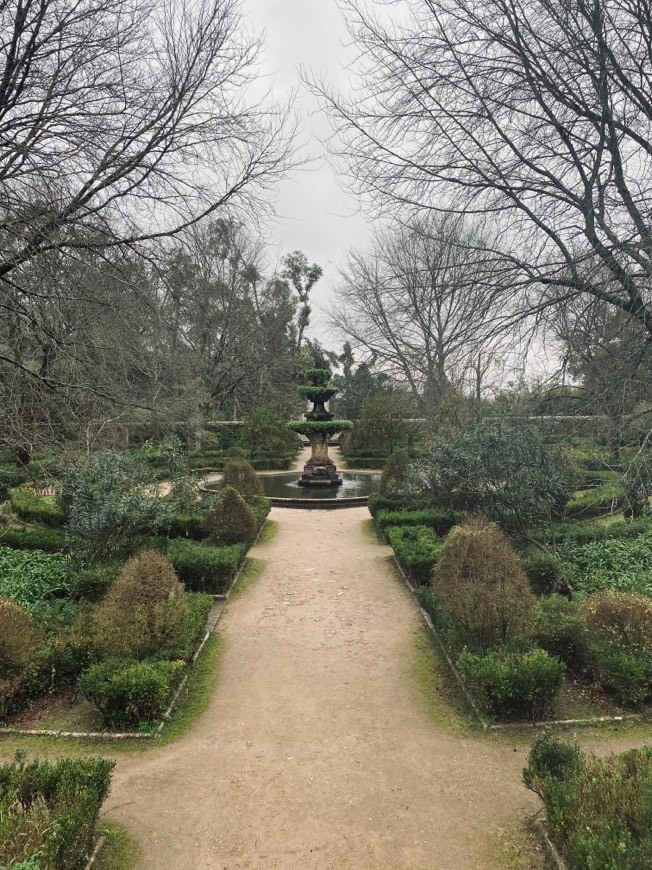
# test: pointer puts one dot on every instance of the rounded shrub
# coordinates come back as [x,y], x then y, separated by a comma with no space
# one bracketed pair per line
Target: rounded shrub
[620,619]
[396,475]
[144,609]
[478,581]
[18,636]
[230,520]
[241,476]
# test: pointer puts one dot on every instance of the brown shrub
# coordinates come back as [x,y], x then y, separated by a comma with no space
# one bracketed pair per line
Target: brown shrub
[143,610]
[230,520]
[479,582]
[620,619]
[241,476]
[18,636]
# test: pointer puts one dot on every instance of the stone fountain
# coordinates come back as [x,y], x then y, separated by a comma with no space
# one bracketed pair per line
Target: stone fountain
[319,426]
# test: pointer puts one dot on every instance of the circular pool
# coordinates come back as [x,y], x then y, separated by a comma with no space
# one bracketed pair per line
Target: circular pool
[284,490]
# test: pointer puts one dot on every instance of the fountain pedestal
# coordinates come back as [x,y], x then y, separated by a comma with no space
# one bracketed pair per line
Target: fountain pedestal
[319,470]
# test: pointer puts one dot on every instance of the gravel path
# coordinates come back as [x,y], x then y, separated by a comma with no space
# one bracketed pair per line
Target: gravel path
[317,750]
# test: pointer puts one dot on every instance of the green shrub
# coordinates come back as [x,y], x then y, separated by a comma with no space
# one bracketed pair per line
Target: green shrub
[18,636]
[143,610]
[33,538]
[128,693]
[598,809]
[204,568]
[520,685]
[605,499]
[30,576]
[417,549]
[378,503]
[241,476]
[193,628]
[479,583]
[559,630]
[441,520]
[92,582]
[544,571]
[49,812]
[230,520]
[261,508]
[180,525]
[365,463]
[395,479]
[37,508]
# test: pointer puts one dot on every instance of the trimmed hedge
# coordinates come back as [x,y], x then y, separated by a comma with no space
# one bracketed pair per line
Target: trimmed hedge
[417,549]
[441,520]
[49,811]
[204,568]
[596,502]
[366,462]
[587,532]
[49,540]
[261,507]
[37,508]
[186,526]
[377,503]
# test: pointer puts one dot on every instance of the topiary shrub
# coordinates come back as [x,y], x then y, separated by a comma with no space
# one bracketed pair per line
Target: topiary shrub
[143,610]
[241,476]
[479,582]
[230,520]
[126,692]
[18,636]
[394,481]
[508,684]
[544,571]
[204,568]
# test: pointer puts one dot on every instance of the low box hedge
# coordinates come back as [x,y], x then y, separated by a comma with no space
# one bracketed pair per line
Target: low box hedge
[586,532]
[49,811]
[596,502]
[366,462]
[204,568]
[417,549]
[37,508]
[261,507]
[47,539]
[441,520]
[377,503]
[182,525]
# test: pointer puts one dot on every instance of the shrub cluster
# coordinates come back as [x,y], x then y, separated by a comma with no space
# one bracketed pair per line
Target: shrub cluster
[598,809]
[37,508]
[230,520]
[204,568]
[49,811]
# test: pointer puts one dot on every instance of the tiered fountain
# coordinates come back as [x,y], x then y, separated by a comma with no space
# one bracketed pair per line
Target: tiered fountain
[319,426]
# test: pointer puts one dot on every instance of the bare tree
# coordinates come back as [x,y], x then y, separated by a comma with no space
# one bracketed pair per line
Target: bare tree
[537,113]
[122,121]
[421,303]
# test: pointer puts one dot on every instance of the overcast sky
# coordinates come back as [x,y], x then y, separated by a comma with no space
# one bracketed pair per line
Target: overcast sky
[315,215]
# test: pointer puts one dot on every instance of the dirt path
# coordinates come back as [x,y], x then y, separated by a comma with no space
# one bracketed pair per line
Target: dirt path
[317,750]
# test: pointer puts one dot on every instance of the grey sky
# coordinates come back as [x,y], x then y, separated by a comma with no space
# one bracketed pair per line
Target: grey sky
[315,215]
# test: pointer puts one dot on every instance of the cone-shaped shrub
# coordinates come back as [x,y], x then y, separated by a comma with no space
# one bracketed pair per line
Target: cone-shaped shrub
[18,635]
[480,583]
[241,476]
[143,610]
[230,520]
[395,477]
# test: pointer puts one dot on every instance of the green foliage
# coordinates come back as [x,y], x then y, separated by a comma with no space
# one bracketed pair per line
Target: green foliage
[29,576]
[544,571]
[598,809]
[618,564]
[371,463]
[478,581]
[638,486]
[128,693]
[324,427]
[498,469]
[395,479]
[317,394]
[204,568]
[264,429]
[143,610]
[377,503]
[192,630]
[241,476]
[559,630]
[18,636]
[417,549]
[36,508]
[318,377]
[384,424]
[180,525]
[108,498]
[588,532]
[230,520]
[49,811]
[33,538]
[439,519]
[605,499]
[513,684]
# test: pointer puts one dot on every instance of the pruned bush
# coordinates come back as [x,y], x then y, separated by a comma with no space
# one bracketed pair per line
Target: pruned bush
[49,812]
[20,538]
[480,583]
[180,525]
[559,630]
[241,476]
[598,809]
[544,571]
[377,503]
[441,520]
[143,610]
[261,507]
[204,568]
[128,693]
[18,636]
[508,685]
[230,520]
[417,549]
[37,508]
[395,479]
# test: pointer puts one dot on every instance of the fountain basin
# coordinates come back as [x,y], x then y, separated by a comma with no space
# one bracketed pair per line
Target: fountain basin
[284,490]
